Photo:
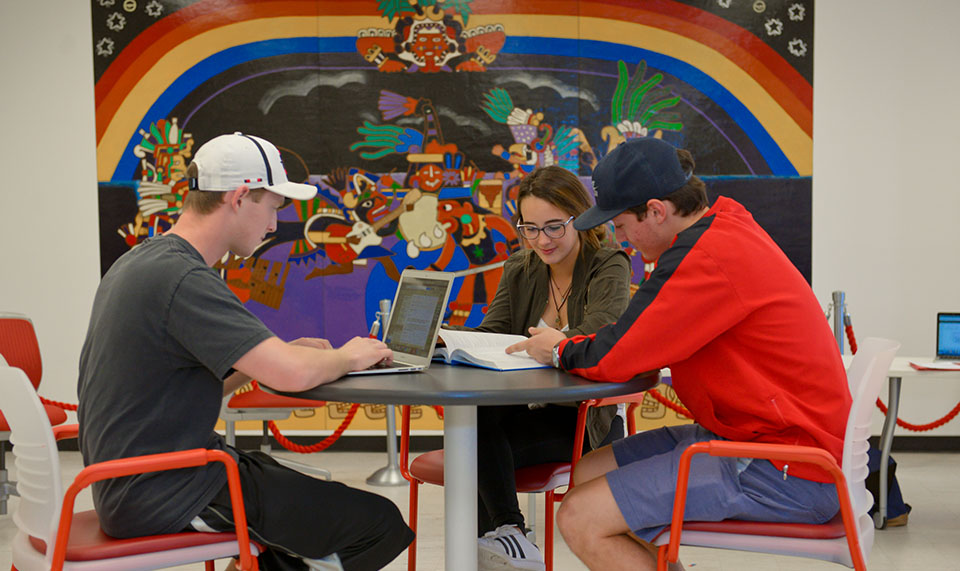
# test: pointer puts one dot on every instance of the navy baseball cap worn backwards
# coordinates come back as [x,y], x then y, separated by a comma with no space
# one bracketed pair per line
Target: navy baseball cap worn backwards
[630,175]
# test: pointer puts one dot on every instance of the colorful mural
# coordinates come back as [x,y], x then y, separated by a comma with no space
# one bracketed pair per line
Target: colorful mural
[416,119]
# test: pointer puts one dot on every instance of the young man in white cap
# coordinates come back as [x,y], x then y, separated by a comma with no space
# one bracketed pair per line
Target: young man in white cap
[168,339]
[750,353]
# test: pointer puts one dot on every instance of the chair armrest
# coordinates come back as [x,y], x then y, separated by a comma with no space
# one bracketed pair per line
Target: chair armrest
[65,431]
[156,463]
[630,398]
[785,452]
[582,422]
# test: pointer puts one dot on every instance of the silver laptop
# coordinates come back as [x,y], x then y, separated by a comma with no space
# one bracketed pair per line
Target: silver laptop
[948,336]
[418,309]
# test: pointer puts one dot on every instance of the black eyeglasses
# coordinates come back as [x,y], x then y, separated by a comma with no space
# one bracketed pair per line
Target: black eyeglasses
[555,230]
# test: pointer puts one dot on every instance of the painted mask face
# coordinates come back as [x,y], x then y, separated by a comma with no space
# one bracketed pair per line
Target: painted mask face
[430,177]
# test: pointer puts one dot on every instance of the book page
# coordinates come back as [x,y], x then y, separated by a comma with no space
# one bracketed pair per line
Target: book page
[476,339]
[485,349]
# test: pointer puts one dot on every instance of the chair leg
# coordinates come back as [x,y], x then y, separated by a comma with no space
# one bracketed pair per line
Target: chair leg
[208,566]
[662,557]
[7,487]
[265,438]
[412,549]
[231,436]
[548,532]
[532,517]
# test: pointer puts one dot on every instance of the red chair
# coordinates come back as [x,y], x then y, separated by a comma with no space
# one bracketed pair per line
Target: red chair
[542,478]
[45,516]
[848,537]
[19,347]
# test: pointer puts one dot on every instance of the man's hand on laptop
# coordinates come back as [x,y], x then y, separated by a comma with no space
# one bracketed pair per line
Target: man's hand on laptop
[363,352]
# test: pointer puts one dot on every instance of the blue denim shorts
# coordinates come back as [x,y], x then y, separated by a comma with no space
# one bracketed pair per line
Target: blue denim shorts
[645,482]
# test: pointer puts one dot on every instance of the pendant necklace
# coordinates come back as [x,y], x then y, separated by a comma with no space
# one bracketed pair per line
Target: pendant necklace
[563,298]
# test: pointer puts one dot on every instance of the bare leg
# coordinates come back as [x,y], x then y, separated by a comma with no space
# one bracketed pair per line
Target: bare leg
[594,528]
[594,465]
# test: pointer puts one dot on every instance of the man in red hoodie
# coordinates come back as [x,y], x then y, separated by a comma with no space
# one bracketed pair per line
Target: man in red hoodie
[749,351]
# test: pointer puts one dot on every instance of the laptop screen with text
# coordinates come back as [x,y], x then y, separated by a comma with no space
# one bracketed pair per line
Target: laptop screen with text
[415,318]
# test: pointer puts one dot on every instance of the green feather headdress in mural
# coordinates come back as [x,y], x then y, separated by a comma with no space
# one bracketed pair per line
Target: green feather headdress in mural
[644,103]
[393,8]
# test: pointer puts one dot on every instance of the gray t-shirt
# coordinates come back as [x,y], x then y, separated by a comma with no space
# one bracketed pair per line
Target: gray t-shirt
[164,331]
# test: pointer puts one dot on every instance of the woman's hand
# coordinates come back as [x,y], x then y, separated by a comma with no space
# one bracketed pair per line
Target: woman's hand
[540,344]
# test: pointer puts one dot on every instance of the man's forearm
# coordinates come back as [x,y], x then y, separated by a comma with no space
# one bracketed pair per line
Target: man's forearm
[234,382]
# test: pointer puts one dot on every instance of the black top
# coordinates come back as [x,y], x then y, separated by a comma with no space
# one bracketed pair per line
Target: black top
[164,330]
[461,385]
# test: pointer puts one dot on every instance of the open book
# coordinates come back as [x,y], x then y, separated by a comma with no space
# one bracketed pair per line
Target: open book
[485,350]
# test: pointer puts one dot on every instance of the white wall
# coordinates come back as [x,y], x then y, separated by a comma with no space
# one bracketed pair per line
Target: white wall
[49,251]
[886,207]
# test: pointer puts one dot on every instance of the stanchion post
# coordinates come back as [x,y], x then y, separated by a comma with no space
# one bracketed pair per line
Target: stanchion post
[839,310]
[390,474]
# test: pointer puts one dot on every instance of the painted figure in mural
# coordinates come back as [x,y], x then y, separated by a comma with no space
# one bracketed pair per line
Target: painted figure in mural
[164,153]
[429,37]
[567,281]
[734,320]
[471,230]
[536,144]
[433,164]
[167,339]
[354,234]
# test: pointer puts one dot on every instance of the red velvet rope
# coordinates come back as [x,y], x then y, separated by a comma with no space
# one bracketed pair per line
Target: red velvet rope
[323,444]
[63,405]
[883,408]
[669,403]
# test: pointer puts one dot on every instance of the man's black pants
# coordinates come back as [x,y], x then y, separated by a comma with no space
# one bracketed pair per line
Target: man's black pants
[293,514]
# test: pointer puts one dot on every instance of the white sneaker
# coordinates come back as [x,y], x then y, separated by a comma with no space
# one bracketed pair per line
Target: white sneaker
[508,548]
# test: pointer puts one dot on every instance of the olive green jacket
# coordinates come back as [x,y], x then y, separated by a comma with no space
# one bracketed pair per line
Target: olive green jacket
[600,293]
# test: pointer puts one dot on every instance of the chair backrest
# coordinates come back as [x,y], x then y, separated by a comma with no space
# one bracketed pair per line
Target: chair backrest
[35,449]
[865,377]
[19,346]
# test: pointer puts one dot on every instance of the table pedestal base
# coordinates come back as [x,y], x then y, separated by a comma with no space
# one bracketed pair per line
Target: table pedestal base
[460,487]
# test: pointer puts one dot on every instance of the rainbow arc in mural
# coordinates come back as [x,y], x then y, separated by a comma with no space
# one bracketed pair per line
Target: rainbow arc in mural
[768,98]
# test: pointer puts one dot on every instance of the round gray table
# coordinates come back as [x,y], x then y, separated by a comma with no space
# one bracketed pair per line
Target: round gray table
[461,389]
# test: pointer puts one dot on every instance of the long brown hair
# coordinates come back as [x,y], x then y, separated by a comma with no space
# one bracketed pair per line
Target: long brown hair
[563,189]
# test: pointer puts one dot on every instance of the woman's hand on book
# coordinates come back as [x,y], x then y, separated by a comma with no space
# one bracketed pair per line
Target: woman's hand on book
[540,344]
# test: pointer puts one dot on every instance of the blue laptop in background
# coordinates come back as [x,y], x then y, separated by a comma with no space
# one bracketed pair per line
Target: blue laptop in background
[948,336]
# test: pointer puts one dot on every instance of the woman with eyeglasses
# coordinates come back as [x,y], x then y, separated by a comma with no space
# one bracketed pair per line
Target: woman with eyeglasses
[566,280]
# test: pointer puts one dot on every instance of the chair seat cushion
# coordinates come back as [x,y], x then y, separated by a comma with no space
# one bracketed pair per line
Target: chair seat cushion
[832,529]
[428,467]
[54,413]
[88,542]
[262,399]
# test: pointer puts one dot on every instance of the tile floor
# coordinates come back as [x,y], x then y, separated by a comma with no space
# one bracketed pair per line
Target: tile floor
[930,541]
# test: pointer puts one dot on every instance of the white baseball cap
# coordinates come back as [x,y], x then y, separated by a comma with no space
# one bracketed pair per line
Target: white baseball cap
[229,161]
